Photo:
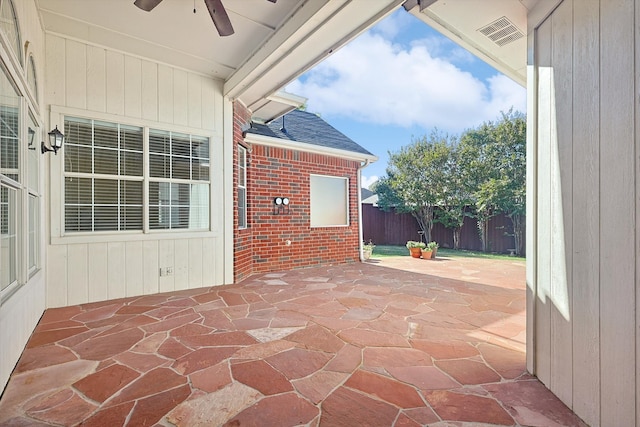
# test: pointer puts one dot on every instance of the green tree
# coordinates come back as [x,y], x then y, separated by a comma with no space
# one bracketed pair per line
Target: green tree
[454,198]
[415,179]
[493,161]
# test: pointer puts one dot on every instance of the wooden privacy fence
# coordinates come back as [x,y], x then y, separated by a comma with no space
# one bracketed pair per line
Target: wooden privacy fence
[391,228]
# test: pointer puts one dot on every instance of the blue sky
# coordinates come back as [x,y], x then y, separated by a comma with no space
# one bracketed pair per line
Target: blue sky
[400,80]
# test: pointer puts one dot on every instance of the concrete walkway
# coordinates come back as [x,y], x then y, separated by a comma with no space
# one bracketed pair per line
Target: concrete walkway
[392,342]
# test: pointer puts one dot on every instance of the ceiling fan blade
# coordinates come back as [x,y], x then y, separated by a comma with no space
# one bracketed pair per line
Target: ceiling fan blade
[273,1]
[147,5]
[220,17]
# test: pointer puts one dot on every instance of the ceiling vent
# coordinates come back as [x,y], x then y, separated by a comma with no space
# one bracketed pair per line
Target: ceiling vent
[502,31]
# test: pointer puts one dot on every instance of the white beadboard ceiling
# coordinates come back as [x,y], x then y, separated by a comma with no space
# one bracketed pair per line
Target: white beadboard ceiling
[273,42]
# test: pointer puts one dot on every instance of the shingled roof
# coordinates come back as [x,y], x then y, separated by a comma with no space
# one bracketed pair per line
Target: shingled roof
[301,126]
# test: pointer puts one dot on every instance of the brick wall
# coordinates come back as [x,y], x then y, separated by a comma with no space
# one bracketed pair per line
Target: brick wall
[242,262]
[273,172]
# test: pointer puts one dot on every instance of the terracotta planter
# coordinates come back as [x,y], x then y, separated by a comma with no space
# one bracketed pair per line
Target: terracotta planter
[427,254]
[415,252]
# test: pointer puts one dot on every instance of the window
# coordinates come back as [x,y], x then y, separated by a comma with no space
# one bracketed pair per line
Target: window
[179,183]
[9,25]
[242,187]
[8,237]
[10,188]
[329,201]
[105,178]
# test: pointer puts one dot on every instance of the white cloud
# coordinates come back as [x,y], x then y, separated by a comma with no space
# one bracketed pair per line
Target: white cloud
[366,181]
[373,80]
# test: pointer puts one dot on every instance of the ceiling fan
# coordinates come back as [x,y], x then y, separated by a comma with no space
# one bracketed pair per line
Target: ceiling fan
[216,10]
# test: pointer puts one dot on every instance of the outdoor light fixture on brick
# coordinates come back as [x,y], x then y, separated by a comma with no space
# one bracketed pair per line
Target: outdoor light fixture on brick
[56,138]
[281,205]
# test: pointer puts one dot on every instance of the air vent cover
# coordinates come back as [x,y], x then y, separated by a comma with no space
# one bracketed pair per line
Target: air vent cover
[502,31]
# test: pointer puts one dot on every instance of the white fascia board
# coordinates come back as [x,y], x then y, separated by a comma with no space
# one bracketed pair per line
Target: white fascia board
[288,98]
[314,31]
[273,47]
[270,141]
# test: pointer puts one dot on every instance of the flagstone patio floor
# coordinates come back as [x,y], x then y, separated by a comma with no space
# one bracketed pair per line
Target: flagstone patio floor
[390,342]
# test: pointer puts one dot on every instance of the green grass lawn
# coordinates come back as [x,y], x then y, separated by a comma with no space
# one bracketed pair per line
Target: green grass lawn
[381,251]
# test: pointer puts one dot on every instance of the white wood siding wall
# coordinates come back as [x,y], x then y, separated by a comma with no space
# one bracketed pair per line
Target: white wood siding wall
[585,274]
[95,82]
[19,314]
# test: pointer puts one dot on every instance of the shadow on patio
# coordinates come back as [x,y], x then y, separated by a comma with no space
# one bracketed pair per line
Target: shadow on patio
[363,344]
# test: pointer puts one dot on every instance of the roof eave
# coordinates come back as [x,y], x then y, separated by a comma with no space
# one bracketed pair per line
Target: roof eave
[253,138]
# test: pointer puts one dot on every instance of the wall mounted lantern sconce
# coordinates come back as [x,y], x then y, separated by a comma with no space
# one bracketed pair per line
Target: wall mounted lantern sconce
[56,138]
[32,136]
[281,205]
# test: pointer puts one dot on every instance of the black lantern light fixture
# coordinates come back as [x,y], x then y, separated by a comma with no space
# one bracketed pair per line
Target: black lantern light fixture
[56,138]
[32,136]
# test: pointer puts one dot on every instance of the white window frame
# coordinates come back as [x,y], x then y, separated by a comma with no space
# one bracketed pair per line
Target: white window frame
[242,187]
[24,191]
[61,114]
[316,221]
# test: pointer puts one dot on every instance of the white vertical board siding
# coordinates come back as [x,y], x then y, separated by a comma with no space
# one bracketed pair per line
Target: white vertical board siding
[98,82]
[617,213]
[150,266]
[132,87]
[96,77]
[561,203]
[543,254]
[195,263]
[209,268]
[165,94]
[194,84]
[55,80]
[115,83]
[585,317]
[180,97]
[150,91]
[77,274]
[586,210]
[134,269]
[637,206]
[98,275]
[76,74]
[116,273]
[166,253]
[181,264]
[57,281]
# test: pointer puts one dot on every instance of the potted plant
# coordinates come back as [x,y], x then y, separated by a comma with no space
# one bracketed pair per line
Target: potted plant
[415,248]
[433,247]
[367,249]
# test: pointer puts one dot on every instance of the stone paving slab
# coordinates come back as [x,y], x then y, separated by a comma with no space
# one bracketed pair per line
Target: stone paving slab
[391,342]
